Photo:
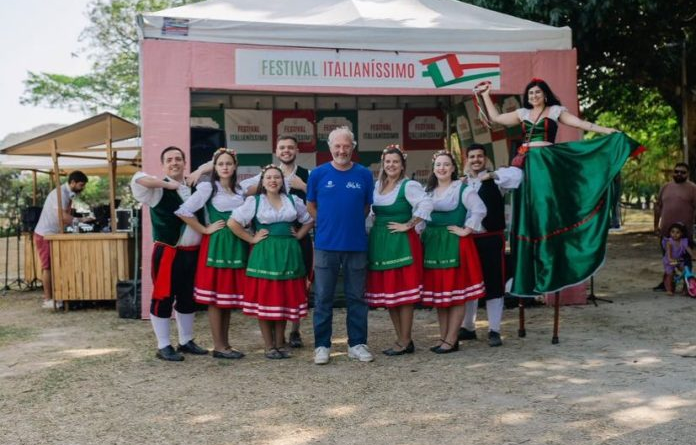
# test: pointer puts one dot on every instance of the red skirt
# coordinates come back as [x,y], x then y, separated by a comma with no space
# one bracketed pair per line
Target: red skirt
[455,285]
[217,286]
[275,300]
[397,287]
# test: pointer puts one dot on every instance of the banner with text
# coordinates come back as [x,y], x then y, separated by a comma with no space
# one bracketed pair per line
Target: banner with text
[298,123]
[365,69]
[424,129]
[249,131]
[328,120]
[379,128]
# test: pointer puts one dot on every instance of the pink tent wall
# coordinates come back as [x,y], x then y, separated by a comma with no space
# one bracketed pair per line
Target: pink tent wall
[171,69]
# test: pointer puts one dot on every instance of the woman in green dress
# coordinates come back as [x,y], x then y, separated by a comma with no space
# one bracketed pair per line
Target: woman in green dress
[275,291]
[219,281]
[561,210]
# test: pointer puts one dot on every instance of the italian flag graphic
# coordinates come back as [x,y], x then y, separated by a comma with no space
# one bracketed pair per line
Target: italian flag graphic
[446,70]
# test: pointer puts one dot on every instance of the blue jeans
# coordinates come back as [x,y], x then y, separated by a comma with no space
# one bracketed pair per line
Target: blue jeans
[327,264]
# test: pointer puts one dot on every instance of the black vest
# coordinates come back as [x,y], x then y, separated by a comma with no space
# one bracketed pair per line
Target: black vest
[303,174]
[495,206]
[167,228]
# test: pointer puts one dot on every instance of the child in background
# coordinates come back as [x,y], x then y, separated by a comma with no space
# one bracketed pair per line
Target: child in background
[677,251]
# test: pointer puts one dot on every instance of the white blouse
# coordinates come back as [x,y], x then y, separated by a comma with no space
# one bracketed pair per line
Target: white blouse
[449,200]
[555,112]
[267,214]
[415,195]
[223,201]
[152,196]
[507,178]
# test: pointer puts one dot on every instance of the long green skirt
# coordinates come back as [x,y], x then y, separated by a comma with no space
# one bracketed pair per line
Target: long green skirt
[561,212]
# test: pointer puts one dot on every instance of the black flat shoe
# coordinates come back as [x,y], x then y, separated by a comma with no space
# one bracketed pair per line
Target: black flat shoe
[494,339]
[465,334]
[295,340]
[232,354]
[274,354]
[391,352]
[411,348]
[169,354]
[454,348]
[192,348]
[433,348]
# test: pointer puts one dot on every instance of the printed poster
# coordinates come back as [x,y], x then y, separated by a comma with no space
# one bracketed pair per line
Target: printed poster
[379,128]
[328,120]
[424,129]
[249,131]
[297,123]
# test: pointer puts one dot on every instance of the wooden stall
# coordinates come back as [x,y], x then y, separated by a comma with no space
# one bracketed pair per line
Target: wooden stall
[86,266]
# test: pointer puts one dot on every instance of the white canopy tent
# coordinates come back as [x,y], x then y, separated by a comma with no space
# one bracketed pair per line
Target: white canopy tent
[389,25]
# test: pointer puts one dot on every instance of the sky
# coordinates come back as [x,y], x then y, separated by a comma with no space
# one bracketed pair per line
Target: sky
[38,35]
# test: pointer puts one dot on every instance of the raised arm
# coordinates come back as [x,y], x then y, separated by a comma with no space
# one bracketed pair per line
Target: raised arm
[508,119]
[574,121]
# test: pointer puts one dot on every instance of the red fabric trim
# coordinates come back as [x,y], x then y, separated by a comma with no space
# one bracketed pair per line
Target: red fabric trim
[638,151]
[162,283]
[564,229]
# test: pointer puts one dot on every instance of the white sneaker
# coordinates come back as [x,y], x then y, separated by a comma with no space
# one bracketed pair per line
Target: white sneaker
[360,352]
[321,355]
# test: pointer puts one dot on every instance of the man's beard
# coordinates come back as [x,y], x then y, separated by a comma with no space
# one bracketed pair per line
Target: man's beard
[290,162]
[680,178]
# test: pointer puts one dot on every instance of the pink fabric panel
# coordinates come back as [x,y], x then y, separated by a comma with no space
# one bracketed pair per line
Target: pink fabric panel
[559,70]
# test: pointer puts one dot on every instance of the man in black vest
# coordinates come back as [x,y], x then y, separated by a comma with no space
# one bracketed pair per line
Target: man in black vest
[491,187]
[174,255]
[296,182]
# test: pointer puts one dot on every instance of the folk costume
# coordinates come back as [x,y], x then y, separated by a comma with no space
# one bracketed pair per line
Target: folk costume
[395,260]
[174,259]
[222,259]
[275,276]
[452,271]
[561,210]
[490,243]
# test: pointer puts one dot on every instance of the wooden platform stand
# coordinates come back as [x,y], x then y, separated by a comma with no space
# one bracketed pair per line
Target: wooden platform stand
[522,332]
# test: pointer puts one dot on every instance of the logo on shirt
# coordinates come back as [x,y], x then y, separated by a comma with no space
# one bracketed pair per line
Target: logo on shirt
[353,185]
[329,184]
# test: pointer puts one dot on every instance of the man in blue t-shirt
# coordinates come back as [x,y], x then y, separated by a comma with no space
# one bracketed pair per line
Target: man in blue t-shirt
[339,194]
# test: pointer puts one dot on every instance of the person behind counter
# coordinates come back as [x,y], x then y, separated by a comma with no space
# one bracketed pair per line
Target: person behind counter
[48,224]
[174,256]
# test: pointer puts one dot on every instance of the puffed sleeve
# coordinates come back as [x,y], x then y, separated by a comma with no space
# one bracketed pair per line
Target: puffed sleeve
[422,203]
[509,177]
[476,209]
[522,114]
[555,111]
[196,201]
[249,182]
[145,195]
[303,217]
[245,213]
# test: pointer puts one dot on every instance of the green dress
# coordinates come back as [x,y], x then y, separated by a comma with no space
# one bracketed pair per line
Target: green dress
[561,211]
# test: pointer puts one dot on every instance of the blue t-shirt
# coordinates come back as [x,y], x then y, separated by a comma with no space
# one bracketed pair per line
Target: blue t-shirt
[340,197]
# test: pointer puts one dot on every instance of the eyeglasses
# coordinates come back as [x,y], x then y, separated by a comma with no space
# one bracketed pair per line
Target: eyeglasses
[681,172]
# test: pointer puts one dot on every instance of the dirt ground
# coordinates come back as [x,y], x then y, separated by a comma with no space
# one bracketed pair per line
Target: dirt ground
[623,373]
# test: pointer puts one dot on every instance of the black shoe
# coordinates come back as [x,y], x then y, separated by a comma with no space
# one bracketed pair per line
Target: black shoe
[411,348]
[433,348]
[660,287]
[494,339]
[465,334]
[274,354]
[295,340]
[192,348]
[169,354]
[440,350]
[232,354]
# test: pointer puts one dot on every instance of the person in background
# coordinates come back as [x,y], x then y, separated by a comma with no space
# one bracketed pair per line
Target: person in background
[676,202]
[339,194]
[174,256]
[677,254]
[49,224]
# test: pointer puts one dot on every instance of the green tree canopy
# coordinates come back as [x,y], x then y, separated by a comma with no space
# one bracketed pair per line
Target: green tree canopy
[111,43]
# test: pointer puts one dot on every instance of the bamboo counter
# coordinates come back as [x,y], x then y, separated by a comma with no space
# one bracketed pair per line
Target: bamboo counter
[87,266]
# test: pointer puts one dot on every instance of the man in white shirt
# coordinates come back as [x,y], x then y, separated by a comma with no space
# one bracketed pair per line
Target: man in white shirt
[49,224]
[174,256]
